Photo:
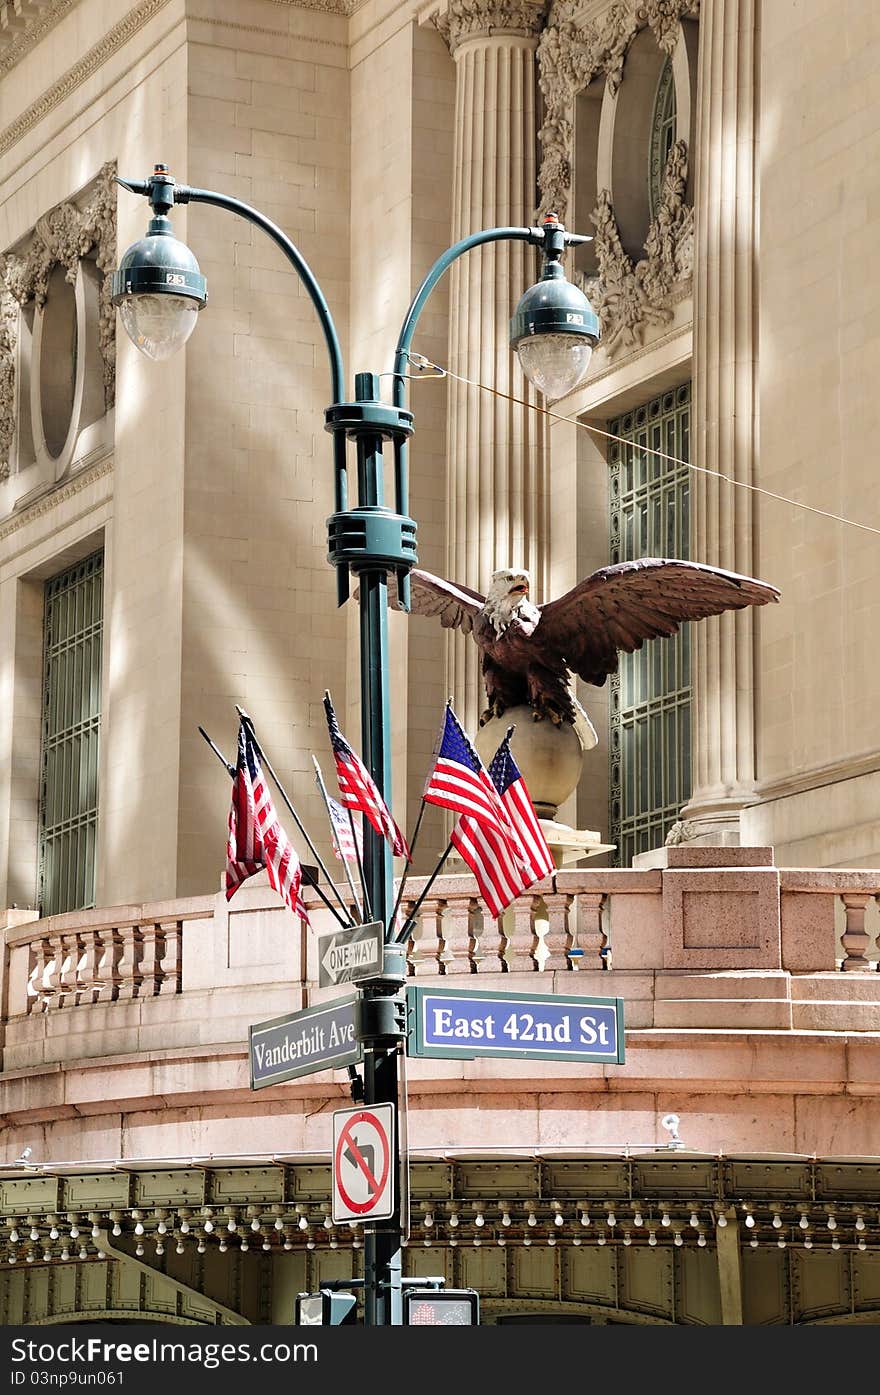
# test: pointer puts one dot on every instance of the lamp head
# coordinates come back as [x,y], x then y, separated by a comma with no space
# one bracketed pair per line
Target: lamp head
[554,328]
[158,286]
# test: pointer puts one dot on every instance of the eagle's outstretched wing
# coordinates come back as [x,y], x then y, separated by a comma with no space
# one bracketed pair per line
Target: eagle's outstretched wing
[619,607]
[456,605]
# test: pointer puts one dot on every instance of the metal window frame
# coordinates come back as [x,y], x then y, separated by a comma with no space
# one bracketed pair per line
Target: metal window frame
[651,694]
[70,736]
[664,123]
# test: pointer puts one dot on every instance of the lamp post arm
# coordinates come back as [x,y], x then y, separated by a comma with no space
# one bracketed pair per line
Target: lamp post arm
[184,194]
[478,239]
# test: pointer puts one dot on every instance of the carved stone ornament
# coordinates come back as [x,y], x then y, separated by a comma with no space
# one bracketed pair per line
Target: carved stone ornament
[471,19]
[60,238]
[627,297]
[573,51]
[682,831]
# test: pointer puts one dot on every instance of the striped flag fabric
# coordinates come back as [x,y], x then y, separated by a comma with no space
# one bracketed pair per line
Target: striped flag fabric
[344,845]
[508,781]
[458,779]
[256,838]
[484,835]
[358,790]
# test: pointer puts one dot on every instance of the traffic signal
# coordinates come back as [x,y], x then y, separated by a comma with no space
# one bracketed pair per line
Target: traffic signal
[433,1307]
[325,1309]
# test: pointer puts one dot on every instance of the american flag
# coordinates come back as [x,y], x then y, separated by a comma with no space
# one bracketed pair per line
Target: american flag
[536,860]
[256,838]
[357,789]
[508,781]
[343,842]
[484,836]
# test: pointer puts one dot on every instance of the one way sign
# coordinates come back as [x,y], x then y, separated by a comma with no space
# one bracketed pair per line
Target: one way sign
[346,956]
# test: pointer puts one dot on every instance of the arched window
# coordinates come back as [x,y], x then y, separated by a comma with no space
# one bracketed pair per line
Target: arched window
[662,137]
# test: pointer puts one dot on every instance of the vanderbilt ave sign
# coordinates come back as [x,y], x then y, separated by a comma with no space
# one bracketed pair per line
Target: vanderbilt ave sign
[317,1038]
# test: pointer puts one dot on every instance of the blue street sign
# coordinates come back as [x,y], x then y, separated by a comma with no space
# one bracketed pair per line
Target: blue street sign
[316,1038]
[460,1022]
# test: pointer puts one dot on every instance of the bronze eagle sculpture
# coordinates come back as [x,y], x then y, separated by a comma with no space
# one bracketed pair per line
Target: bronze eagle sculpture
[530,652]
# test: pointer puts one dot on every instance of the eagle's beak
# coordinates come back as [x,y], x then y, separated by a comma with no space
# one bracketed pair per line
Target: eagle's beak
[521,589]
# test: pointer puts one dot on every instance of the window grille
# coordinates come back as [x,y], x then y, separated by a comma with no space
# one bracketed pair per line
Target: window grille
[72,628]
[663,123]
[650,695]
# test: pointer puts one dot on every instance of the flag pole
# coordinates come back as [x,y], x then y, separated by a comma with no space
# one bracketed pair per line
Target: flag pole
[323,788]
[405,873]
[282,791]
[307,875]
[409,923]
[218,753]
[368,909]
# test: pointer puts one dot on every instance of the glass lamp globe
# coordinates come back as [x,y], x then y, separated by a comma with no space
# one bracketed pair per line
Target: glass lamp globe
[158,325]
[159,290]
[555,363]
[554,331]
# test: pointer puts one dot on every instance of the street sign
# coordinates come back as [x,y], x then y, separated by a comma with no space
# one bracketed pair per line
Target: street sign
[316,1038]
[460,1022]
[363,1171]
[325,1309]
[444,1307]
[347,956]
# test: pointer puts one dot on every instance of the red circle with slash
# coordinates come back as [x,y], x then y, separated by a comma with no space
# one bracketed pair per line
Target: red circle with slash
[362,1157]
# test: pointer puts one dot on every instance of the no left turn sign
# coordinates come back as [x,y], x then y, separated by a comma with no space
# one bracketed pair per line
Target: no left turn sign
[363,1177]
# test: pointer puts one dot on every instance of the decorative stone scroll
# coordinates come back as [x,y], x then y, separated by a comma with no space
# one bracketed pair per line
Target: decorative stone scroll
[60,238]
[627,297]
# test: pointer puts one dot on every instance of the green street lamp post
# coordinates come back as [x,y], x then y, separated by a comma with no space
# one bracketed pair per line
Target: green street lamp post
[160,291]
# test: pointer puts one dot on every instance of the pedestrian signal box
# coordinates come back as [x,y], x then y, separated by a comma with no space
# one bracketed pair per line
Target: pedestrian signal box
[325,1309]
[448,1307]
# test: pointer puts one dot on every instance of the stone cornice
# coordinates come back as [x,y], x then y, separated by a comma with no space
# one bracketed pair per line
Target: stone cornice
[805,781]
[37,25]
[53,498]
[81,71]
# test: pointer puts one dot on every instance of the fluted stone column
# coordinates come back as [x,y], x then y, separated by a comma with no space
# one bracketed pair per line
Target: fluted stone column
[497,484]
[725,410]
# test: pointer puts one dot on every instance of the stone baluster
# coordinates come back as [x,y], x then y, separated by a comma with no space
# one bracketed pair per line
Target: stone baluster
[151,936]
[129,962]
[51,971]
[521,938]
[426,939]
[107,972]
[457,938]
[169,950]
[489,945]
[591,937]
[855,937]
[41,951]
[68,959]
[87,972]
[558,937]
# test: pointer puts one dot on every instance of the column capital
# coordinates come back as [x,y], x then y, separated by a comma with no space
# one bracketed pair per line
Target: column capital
[461,20]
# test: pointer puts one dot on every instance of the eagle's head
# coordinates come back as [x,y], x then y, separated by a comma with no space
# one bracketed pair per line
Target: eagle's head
[508,600]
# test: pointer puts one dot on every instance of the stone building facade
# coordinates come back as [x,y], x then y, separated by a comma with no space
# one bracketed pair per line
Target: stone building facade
[163,557]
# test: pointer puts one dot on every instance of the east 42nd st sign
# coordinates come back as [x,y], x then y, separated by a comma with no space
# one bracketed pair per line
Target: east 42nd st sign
[463,1023]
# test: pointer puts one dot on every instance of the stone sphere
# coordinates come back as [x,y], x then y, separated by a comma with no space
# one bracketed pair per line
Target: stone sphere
[550,758]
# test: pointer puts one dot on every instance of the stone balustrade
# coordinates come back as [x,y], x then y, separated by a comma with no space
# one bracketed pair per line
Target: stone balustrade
[688,944]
